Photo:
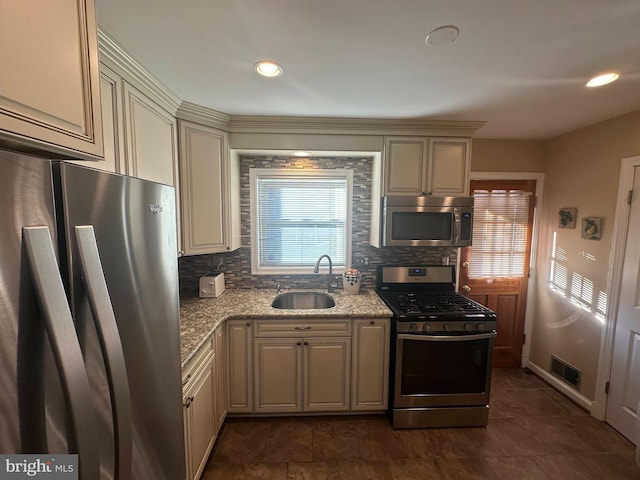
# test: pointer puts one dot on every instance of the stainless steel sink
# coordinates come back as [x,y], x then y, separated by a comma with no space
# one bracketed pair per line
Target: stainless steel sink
[303,300]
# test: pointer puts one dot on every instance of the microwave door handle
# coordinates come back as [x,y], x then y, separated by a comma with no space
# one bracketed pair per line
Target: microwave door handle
[111,345]
[456,225]
[65,346]
[447,338]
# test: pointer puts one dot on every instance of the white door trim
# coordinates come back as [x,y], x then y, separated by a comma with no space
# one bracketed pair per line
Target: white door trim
[539,178]
[614,282]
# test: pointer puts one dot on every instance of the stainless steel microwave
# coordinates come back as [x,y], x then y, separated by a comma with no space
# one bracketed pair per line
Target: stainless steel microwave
[426,221]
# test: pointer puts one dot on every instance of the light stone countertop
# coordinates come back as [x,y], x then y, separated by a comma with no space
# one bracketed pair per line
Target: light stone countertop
[199,317]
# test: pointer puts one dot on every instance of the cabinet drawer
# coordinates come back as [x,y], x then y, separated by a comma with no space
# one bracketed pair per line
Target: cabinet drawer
[297,328]
[200,359]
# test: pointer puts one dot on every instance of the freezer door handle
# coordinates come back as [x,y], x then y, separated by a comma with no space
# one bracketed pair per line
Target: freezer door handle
[107,328]
[65,347]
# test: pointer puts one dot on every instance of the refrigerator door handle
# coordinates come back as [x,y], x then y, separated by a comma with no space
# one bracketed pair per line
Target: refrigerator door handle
[107,328]
[65,347]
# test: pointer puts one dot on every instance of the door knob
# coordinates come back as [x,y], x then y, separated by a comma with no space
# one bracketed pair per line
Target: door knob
[466,288]
[465,264]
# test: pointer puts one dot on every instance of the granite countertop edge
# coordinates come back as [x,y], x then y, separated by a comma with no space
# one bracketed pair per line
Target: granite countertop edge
[199,317]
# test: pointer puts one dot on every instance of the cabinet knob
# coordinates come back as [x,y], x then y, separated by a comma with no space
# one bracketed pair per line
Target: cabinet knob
[248,324]
[306,343]
[372,322]
[299,343]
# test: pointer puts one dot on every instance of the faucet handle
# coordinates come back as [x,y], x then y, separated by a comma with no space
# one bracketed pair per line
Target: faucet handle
[278,288]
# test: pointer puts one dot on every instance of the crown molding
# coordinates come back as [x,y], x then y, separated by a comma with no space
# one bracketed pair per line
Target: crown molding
[204,116]
[121,61]
[362,126]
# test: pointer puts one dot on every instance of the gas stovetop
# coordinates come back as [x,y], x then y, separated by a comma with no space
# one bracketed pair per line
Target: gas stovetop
[434,305]
[423,300]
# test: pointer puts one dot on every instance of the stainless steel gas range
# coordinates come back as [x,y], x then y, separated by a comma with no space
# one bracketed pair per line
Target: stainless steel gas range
[441,349]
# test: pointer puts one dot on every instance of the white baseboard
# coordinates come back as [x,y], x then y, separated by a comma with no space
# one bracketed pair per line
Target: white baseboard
[558,384]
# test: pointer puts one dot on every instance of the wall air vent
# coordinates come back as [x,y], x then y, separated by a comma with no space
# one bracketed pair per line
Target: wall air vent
[565,372]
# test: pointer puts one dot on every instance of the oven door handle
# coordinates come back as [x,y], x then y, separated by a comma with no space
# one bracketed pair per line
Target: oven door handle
[447,338]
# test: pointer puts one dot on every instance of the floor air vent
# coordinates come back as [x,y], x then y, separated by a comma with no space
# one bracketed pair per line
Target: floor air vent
[565,372]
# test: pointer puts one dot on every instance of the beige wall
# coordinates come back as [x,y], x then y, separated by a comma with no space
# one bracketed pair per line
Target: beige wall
[489,155]
[582,170]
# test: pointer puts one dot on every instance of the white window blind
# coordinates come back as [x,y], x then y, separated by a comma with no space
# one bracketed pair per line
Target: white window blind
[500,227]
[299,216]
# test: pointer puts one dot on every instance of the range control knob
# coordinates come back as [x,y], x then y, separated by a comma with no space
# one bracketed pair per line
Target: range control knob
[480,327]
[446,327]
[467,327]
[426,328]
[414,327]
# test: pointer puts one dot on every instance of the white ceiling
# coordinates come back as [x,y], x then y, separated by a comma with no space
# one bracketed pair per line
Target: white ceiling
[519,65]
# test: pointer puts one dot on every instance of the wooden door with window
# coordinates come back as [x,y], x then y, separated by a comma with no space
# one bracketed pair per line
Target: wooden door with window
[494,270]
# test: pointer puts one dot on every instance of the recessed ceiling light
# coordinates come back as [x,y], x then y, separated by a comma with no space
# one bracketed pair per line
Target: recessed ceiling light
[603,79]
[301,153]
[268,69]
[442,35]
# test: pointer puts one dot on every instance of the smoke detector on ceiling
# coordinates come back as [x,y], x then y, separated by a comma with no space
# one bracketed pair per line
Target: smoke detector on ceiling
[442,35]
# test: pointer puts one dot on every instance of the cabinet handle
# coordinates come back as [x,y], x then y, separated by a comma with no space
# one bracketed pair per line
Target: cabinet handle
[248,324]
[188,403]
[186,380]
[302,328]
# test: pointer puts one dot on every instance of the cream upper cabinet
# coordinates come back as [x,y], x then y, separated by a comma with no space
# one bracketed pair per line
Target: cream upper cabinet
[151,132]
[370,372]
[49,80]
[239,366]
[426,166]
[209,184]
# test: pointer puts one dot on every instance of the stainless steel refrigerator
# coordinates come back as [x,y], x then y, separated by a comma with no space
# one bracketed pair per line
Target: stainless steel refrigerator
[89,319]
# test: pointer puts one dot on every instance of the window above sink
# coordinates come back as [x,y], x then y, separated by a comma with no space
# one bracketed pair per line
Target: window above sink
[297,216]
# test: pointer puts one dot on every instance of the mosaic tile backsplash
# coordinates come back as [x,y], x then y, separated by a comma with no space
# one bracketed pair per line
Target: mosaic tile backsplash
[236,265]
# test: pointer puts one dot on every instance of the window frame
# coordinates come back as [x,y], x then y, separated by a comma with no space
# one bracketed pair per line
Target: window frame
[257,173]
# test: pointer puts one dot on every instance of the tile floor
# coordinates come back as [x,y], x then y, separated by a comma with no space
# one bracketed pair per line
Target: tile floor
[534,432]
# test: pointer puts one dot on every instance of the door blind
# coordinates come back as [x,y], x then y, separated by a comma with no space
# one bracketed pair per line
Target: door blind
[500,231]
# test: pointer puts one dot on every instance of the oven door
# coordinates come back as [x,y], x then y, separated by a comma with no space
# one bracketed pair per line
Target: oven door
[443,370]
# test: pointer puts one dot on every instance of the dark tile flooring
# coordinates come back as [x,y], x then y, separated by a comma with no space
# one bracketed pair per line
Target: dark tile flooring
[534,432]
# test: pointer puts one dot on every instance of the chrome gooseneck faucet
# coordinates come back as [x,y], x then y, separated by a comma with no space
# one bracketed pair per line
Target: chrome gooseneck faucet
[331,285]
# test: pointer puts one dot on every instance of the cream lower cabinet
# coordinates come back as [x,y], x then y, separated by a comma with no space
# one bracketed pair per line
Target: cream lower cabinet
[240,370]
[221,373]
[370,367]
[204,401]
[302,374]
[198,406]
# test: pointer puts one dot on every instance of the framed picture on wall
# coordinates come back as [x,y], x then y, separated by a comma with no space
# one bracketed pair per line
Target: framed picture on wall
[567,217]
[591,228]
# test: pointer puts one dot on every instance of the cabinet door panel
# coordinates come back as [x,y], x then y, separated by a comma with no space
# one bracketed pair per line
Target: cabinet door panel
[221,375]
[202,163]
[240,395]
[201,424]
[449,167]
[327,363]
[405,160]
[370,364]
[151,139]
[49,76]
[278,375]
